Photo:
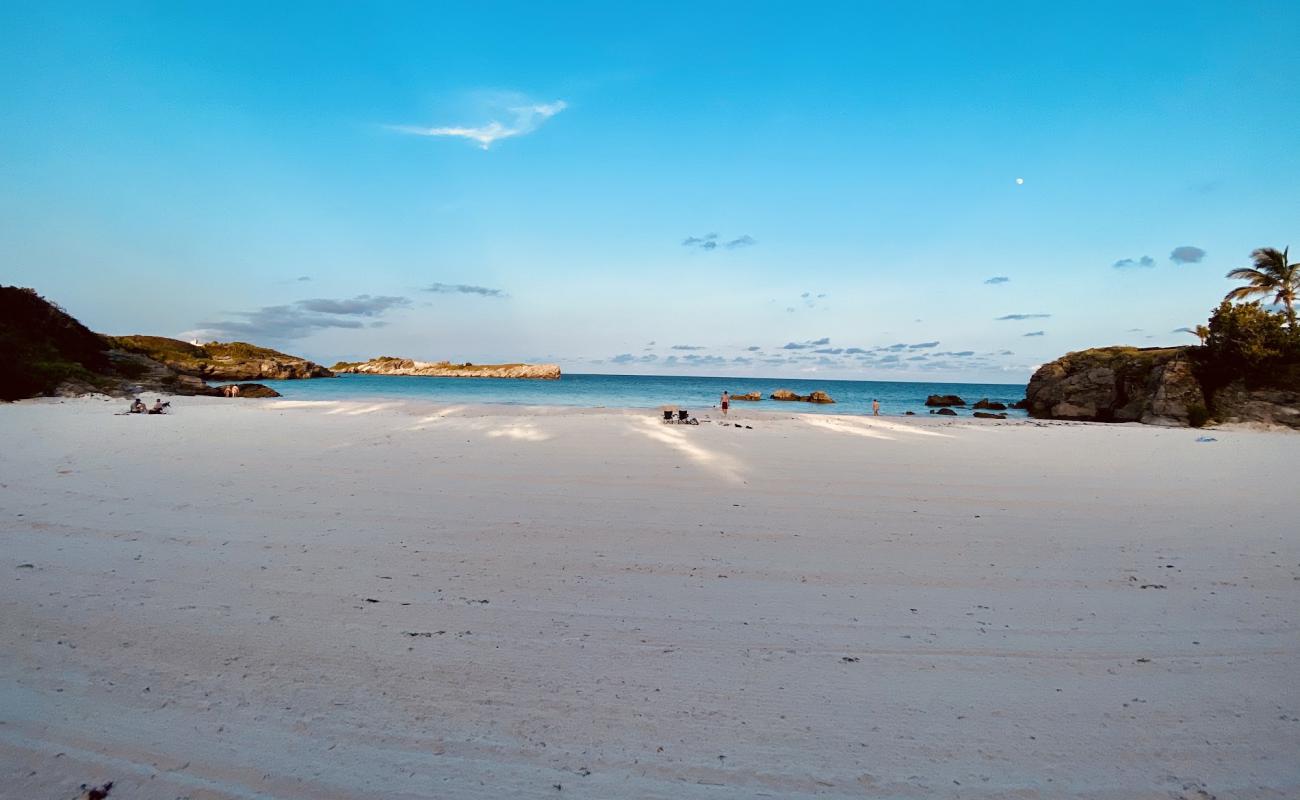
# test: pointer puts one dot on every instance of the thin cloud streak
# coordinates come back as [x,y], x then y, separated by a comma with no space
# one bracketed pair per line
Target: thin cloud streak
[524,119]
[462,288]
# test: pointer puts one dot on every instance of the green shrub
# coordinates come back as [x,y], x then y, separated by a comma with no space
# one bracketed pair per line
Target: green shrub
[1197,415]
[1247,342]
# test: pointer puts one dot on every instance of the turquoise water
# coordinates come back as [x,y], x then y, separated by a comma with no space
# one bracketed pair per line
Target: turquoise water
[644,391]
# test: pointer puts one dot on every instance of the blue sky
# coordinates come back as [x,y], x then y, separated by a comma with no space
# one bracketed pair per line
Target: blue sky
[314,177]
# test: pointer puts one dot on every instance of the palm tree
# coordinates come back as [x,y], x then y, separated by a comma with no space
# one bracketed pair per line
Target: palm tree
[1270,275]
[1201,332]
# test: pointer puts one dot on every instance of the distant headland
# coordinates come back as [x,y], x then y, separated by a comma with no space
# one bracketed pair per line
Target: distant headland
[391,365]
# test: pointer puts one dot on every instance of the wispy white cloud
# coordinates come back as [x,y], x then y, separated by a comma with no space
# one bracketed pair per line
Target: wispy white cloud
[523,119]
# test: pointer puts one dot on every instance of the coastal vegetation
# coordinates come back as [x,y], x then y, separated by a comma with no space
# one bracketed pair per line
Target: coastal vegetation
[42,346]
[1271,273]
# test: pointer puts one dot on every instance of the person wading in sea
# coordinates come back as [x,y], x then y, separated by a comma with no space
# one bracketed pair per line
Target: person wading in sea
[875,408]
[726,402]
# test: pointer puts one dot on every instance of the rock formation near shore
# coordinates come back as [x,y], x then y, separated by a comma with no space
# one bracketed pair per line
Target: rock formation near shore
[390,365]
[221,361]
[944,400]
[1159,386]
[815,397]
[1118,384]
[749,396]
[251,390]
[45,351]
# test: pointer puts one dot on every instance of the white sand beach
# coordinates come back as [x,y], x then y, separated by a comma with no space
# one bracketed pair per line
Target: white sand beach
[273,599]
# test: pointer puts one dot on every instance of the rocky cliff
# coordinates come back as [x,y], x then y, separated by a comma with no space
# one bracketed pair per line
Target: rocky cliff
[389,365]
[222,361]
[42,347]
[45,351]
[1157,386]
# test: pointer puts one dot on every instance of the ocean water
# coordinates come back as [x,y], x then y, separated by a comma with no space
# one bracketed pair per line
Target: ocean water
[646,391]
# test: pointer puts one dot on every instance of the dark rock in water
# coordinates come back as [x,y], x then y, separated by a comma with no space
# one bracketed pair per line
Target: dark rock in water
[987,415]
[947,412]
[747,396]
[246,390]
[944,400]
[1021,404]
[990,405]
[815,397]
[910,414]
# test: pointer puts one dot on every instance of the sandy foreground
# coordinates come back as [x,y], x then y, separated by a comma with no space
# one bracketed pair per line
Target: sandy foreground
[272,599]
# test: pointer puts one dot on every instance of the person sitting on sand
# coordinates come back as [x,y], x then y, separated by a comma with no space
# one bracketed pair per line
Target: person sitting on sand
[158,406]
[726,402]
[137,406]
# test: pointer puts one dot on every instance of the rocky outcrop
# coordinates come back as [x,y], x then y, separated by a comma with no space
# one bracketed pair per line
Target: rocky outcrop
[222,361]
[1156,386]
[748,396]
[1118,384]
[947,412]
[388,365]
[989,405]
[1235,403]
[254,390]
[815,397]
[42,347]
[944,400]
[44,350]
[987,415]
[142,374]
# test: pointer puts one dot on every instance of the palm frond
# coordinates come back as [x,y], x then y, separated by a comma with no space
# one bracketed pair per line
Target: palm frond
[1268,258]
[1244,293]
[1247,274]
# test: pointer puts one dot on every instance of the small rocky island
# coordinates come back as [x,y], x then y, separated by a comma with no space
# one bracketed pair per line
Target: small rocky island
[391,365]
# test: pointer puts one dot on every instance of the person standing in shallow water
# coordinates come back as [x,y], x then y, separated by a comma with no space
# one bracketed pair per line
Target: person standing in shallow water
[726,402]
[875,408]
